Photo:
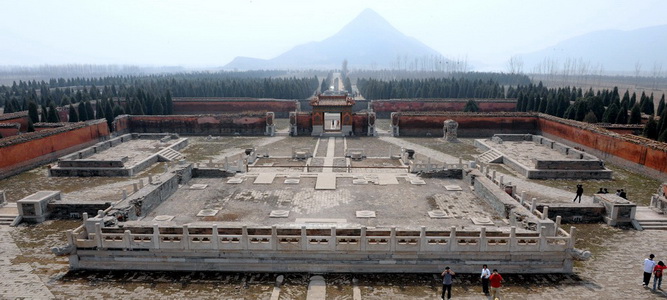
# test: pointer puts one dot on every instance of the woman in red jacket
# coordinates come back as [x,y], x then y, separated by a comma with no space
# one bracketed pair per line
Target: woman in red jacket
[657,273]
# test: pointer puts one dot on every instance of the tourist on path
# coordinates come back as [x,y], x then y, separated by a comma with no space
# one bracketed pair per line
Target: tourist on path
[485,279]
[580,191]
[649,264]
[623,194]
[447,276]
[495,279]
[657,272]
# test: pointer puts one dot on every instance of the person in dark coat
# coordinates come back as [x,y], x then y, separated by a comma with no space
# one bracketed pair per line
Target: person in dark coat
[580,191]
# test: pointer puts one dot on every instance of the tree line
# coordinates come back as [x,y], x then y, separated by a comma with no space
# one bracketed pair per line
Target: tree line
[373,89]
[603,106]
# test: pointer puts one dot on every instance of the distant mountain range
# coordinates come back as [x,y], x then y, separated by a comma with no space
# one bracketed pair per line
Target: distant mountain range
[615,50]
[368,41]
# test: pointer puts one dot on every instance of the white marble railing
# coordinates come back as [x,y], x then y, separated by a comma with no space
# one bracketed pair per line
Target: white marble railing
[338,240]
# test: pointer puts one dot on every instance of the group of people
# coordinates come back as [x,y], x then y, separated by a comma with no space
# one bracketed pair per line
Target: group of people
[580,191]
[488,278]
[621,193]
[651,268]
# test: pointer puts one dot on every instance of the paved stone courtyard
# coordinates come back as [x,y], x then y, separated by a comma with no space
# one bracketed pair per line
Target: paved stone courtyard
[30,271]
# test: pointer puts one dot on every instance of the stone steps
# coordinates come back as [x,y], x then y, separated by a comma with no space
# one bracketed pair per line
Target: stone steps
[9,220]
[649,219]
[170,155]
[491,156]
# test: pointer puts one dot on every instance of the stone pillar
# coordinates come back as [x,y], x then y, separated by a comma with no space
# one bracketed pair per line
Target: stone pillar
[332,239]
[185,238]
[545,212]
[293,130]
[3,199]
[244,237]
[482,239]
[452,239]
[392,239]
[523,197]
[557,225]
[395,118]
[371,124]
[304,239]
[270,129]
[533,204]
[274,238]
[362,239]
[216,237]
[156,236]
[422,238]
[450,128]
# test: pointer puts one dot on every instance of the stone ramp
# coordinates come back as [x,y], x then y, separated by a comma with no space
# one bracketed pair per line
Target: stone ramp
[169,154]
[265,178]
[18,282]
[326,181]
[384,179]
[649,219]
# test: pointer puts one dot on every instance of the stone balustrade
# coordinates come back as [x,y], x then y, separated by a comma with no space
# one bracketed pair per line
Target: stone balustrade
[337,240]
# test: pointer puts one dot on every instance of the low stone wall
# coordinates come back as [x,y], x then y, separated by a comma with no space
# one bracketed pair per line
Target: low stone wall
[506,206]
[74,211]
[146,199]
[211,173]
[574,213]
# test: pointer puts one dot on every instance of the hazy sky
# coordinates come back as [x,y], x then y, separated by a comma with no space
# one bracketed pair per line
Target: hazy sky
[212,33]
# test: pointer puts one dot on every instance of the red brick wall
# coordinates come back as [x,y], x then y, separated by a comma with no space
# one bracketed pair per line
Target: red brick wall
[33,145]
[7,131]
[18,117]
[190,106]
[248,124]
[470,124]
[631,148]
[454,105]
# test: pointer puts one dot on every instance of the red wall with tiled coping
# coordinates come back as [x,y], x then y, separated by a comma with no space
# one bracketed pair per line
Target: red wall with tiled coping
[453,105]
[20,149]
[191,106]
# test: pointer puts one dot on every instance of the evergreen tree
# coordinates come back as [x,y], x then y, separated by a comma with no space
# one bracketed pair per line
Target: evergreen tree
[590,117]
[53,116]
[633,99]
[622,116]
[595,104]
[581,109]
[99,109]
[73,114]
[471,106]
[635,115]
[81,111]
[157,107]
[31,126]
[170,104]
[117,111]
[32,112]
[662,124]
[661,105]
[90,113]
[647,105]
[663,136]
[570,113]
[610,114]
[44,117]
[108,113]
[65,101]
[543,105]
[651,127]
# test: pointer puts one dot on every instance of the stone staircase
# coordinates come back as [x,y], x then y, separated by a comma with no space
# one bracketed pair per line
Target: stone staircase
[649,219]
[491,156]
[169,154]
[9,215]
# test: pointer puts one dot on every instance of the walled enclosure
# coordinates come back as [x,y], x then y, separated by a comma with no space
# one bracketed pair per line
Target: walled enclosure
[195,106]
[227,124]
[209,246]
[26,151]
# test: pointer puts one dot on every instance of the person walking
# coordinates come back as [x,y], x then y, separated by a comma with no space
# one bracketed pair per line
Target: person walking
[649,264]
[657,274]
[447,276]
[580,191]
[495,279]
[485,279]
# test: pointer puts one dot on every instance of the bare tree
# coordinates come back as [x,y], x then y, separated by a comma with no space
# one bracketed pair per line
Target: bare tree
[657,72]
[638,71]
[515,65]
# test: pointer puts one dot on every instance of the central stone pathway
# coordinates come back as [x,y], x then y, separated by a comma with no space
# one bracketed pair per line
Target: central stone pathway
[329,159]
[18,280]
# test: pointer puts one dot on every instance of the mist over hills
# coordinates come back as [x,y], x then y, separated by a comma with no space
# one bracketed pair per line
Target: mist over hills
[608,51]
[368,41]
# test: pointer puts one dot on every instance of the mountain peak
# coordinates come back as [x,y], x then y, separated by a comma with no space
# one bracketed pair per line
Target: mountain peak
[368,20]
